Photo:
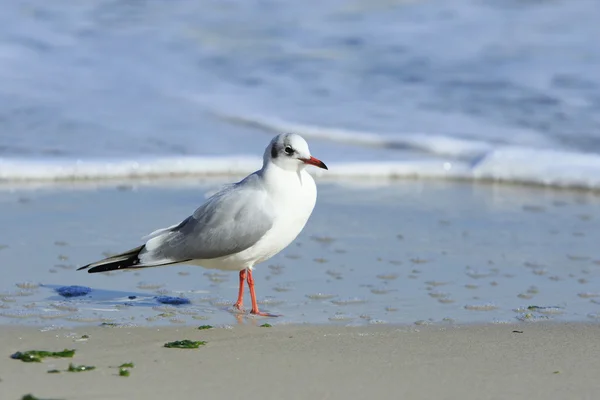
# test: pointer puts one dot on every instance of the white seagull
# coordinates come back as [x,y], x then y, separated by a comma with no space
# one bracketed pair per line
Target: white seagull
[242,225]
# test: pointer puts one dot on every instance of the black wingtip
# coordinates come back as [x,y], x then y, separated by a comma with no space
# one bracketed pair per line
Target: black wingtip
[124,260]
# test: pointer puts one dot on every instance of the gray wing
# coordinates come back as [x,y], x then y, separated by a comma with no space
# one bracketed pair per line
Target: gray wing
[230,221]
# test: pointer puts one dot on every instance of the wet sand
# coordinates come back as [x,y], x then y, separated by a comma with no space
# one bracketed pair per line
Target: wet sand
[502,361]
[409,252]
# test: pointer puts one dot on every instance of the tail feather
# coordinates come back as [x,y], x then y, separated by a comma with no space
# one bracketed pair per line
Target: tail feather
[128,259]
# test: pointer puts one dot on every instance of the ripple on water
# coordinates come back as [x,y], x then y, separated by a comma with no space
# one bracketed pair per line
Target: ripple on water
[28,285]
[337,317]
[481,307]
[541,310]
[349,301]
[323,239]
[321,296]
[20,313]
[17,293]
[8,299]
[276,269]
[438,295]
[381,290]
[436,283]
[217,277]
[477,274]
[589,295]
[334,274]
[207,299]
[271,301]
[221,302]
[188,311]
[150,286]
[387,277]
[54,314]
[165,309]
[83,319]
[282,288]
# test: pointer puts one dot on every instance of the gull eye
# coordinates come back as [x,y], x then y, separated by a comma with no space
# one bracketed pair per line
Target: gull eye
[288,150]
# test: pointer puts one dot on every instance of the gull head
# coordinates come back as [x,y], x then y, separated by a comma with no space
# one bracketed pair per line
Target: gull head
[290,152]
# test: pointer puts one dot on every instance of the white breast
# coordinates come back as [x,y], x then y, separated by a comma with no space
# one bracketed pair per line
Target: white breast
[294,199]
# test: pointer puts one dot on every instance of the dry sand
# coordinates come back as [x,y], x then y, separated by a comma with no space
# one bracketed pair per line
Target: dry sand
[545,361]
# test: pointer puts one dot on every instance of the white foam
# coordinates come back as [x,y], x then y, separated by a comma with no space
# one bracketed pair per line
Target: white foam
[542,167]
[515,165]
[445,158]
[98,169]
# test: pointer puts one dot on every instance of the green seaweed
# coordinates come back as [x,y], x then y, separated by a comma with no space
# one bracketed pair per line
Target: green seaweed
[31,397]
[124,368]
[184,344]
[85,336]
[201,327]
[37,355]
[111,324]
[79,368]
[266,325]
[53,371]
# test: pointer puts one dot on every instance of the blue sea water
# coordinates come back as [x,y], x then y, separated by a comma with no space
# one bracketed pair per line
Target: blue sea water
[464,89]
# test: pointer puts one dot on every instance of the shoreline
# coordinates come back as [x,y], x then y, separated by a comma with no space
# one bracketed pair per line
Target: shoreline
[365,181]
[413,252]
[488,361]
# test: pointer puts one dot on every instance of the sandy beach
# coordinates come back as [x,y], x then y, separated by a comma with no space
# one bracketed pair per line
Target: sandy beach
[502,361]
[430,290]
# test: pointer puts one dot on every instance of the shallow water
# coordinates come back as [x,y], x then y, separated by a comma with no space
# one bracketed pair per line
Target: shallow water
[102,89]
[413,252]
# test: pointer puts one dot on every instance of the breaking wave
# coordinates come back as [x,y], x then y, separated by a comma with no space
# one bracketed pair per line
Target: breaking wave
[445,158]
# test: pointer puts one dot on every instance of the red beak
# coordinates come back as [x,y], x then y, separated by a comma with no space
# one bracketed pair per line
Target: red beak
[315,161]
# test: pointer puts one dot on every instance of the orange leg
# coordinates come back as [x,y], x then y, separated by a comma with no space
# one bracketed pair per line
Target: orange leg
[239,304]
[254,310]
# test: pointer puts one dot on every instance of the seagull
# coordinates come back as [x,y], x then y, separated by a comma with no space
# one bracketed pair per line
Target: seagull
[240,226]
